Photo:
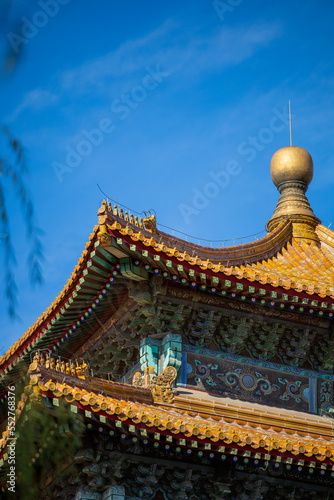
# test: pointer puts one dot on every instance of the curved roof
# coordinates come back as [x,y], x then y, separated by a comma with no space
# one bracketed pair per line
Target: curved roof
[278,259]
[217,421]
[278,267]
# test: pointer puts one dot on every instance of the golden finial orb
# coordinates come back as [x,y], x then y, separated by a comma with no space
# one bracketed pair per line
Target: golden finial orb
[291,163]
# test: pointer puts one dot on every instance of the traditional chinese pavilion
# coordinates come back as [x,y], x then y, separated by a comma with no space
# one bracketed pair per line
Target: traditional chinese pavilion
[199,372]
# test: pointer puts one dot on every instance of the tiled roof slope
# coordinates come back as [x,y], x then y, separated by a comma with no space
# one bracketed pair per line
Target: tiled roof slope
[278,259]
[192,415]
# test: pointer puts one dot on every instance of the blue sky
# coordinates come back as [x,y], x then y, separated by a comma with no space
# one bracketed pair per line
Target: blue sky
[155,101]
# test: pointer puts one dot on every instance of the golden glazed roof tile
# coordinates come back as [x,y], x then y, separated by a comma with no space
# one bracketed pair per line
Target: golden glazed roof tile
[279,258]
[299,266]
[198,415]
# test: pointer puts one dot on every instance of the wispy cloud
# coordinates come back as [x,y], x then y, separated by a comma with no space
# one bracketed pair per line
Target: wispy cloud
[228,47]
[35,99]
[184,56]
[127,59]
